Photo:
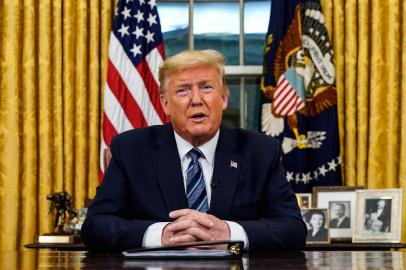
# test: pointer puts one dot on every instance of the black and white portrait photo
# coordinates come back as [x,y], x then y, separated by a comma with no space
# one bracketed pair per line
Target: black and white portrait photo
[377,215]
[340,214]
[317,225]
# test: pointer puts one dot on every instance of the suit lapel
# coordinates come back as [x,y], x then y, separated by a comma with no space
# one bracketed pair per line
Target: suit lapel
[167,166]
[225,175]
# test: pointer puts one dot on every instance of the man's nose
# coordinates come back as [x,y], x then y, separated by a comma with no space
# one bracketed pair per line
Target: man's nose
[196,95]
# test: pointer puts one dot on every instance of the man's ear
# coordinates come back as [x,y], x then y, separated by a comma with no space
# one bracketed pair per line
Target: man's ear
[164,103]
[225,101]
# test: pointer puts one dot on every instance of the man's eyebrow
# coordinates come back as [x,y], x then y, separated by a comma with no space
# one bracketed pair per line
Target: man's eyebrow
[182,84]
[204,81]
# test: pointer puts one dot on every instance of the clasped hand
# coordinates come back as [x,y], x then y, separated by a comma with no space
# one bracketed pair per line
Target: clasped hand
[190,225]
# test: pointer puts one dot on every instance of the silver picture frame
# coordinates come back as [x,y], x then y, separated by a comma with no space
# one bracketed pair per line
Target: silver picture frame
[379,216]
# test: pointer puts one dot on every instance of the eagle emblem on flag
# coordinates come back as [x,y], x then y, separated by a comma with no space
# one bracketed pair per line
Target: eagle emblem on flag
[305,76]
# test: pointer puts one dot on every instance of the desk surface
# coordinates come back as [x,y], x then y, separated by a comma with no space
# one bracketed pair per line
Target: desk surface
[49,259]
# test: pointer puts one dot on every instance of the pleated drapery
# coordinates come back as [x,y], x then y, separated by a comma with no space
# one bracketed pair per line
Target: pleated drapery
[53,57]
[370,56]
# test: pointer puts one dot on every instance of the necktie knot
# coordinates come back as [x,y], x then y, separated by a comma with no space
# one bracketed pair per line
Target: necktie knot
[195,154]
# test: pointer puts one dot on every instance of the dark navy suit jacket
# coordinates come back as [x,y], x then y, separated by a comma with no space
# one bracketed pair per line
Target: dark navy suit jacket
[144,182]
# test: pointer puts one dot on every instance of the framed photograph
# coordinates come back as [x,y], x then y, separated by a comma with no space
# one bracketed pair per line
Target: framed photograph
[317,222]
[340,201]
[304,200]
[379,216]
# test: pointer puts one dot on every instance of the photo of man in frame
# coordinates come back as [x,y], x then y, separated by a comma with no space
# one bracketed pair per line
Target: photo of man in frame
[340,214]
[377,215]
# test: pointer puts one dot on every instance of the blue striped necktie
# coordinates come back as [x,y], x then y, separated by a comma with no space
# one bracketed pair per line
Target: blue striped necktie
[196,189]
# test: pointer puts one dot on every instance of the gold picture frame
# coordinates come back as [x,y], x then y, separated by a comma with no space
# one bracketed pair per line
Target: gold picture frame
[341,202]
[304,200]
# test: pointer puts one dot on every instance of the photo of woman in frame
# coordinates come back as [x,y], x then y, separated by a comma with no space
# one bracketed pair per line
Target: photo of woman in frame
[317,223]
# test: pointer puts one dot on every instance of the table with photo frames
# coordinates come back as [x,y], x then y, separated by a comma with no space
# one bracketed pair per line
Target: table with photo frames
[352,214]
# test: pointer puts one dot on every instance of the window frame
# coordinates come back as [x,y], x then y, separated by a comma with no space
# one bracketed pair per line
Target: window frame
[240,71]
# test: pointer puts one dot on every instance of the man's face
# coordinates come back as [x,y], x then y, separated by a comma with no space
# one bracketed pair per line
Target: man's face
[195,102]
[338,210]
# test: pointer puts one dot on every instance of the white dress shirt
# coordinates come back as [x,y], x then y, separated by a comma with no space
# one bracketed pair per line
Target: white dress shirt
[152,236]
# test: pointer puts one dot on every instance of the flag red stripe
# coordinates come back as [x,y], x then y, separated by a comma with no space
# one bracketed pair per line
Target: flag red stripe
[124,97]
[101,174]
[108,130]
[292,107]
[286,99]
[161,50]
[281,89]
[281,95]
[152,87]
[280,81]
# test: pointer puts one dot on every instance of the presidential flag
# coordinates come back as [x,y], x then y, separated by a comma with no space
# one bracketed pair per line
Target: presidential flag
[136,51]
[299,103]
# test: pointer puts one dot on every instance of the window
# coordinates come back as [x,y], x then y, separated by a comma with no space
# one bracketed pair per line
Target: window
[236,28]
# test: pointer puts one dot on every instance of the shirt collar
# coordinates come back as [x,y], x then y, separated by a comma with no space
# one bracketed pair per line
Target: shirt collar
[208,149]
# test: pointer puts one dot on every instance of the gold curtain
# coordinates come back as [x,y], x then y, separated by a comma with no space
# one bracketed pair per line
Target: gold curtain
[370,55]
[53,57]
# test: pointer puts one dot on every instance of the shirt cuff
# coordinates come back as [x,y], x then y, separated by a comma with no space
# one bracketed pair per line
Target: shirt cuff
[153,234]
[237,233]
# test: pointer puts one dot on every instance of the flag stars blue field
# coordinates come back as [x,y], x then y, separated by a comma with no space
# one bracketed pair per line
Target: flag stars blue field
[136,27]
[136,50]
[126,13]
[138,32]
[151,19]
[139,16]
[123,30]
[314,175]
[149,36]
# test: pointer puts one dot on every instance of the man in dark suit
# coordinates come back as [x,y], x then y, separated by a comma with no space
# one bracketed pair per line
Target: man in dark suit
[340,220]
[194,179]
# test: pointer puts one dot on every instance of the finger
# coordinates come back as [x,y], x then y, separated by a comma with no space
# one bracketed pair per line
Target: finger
[181,212]
[184,238]
[198,233]
[202,218]
[180,225]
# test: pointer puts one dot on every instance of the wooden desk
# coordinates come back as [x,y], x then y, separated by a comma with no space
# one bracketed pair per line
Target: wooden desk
[320,247]
[356,246]
[51,259]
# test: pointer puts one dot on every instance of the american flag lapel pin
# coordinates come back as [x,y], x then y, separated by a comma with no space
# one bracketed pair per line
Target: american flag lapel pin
[233,164]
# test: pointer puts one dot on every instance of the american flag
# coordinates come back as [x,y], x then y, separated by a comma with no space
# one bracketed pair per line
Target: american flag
[136,51]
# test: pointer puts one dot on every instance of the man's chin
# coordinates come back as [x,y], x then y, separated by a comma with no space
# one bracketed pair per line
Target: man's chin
[200,135]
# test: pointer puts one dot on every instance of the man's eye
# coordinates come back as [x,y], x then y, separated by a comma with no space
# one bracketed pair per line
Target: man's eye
[181,92]
[207,88]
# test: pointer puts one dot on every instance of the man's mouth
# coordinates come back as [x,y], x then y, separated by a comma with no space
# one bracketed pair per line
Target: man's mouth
[198,116]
